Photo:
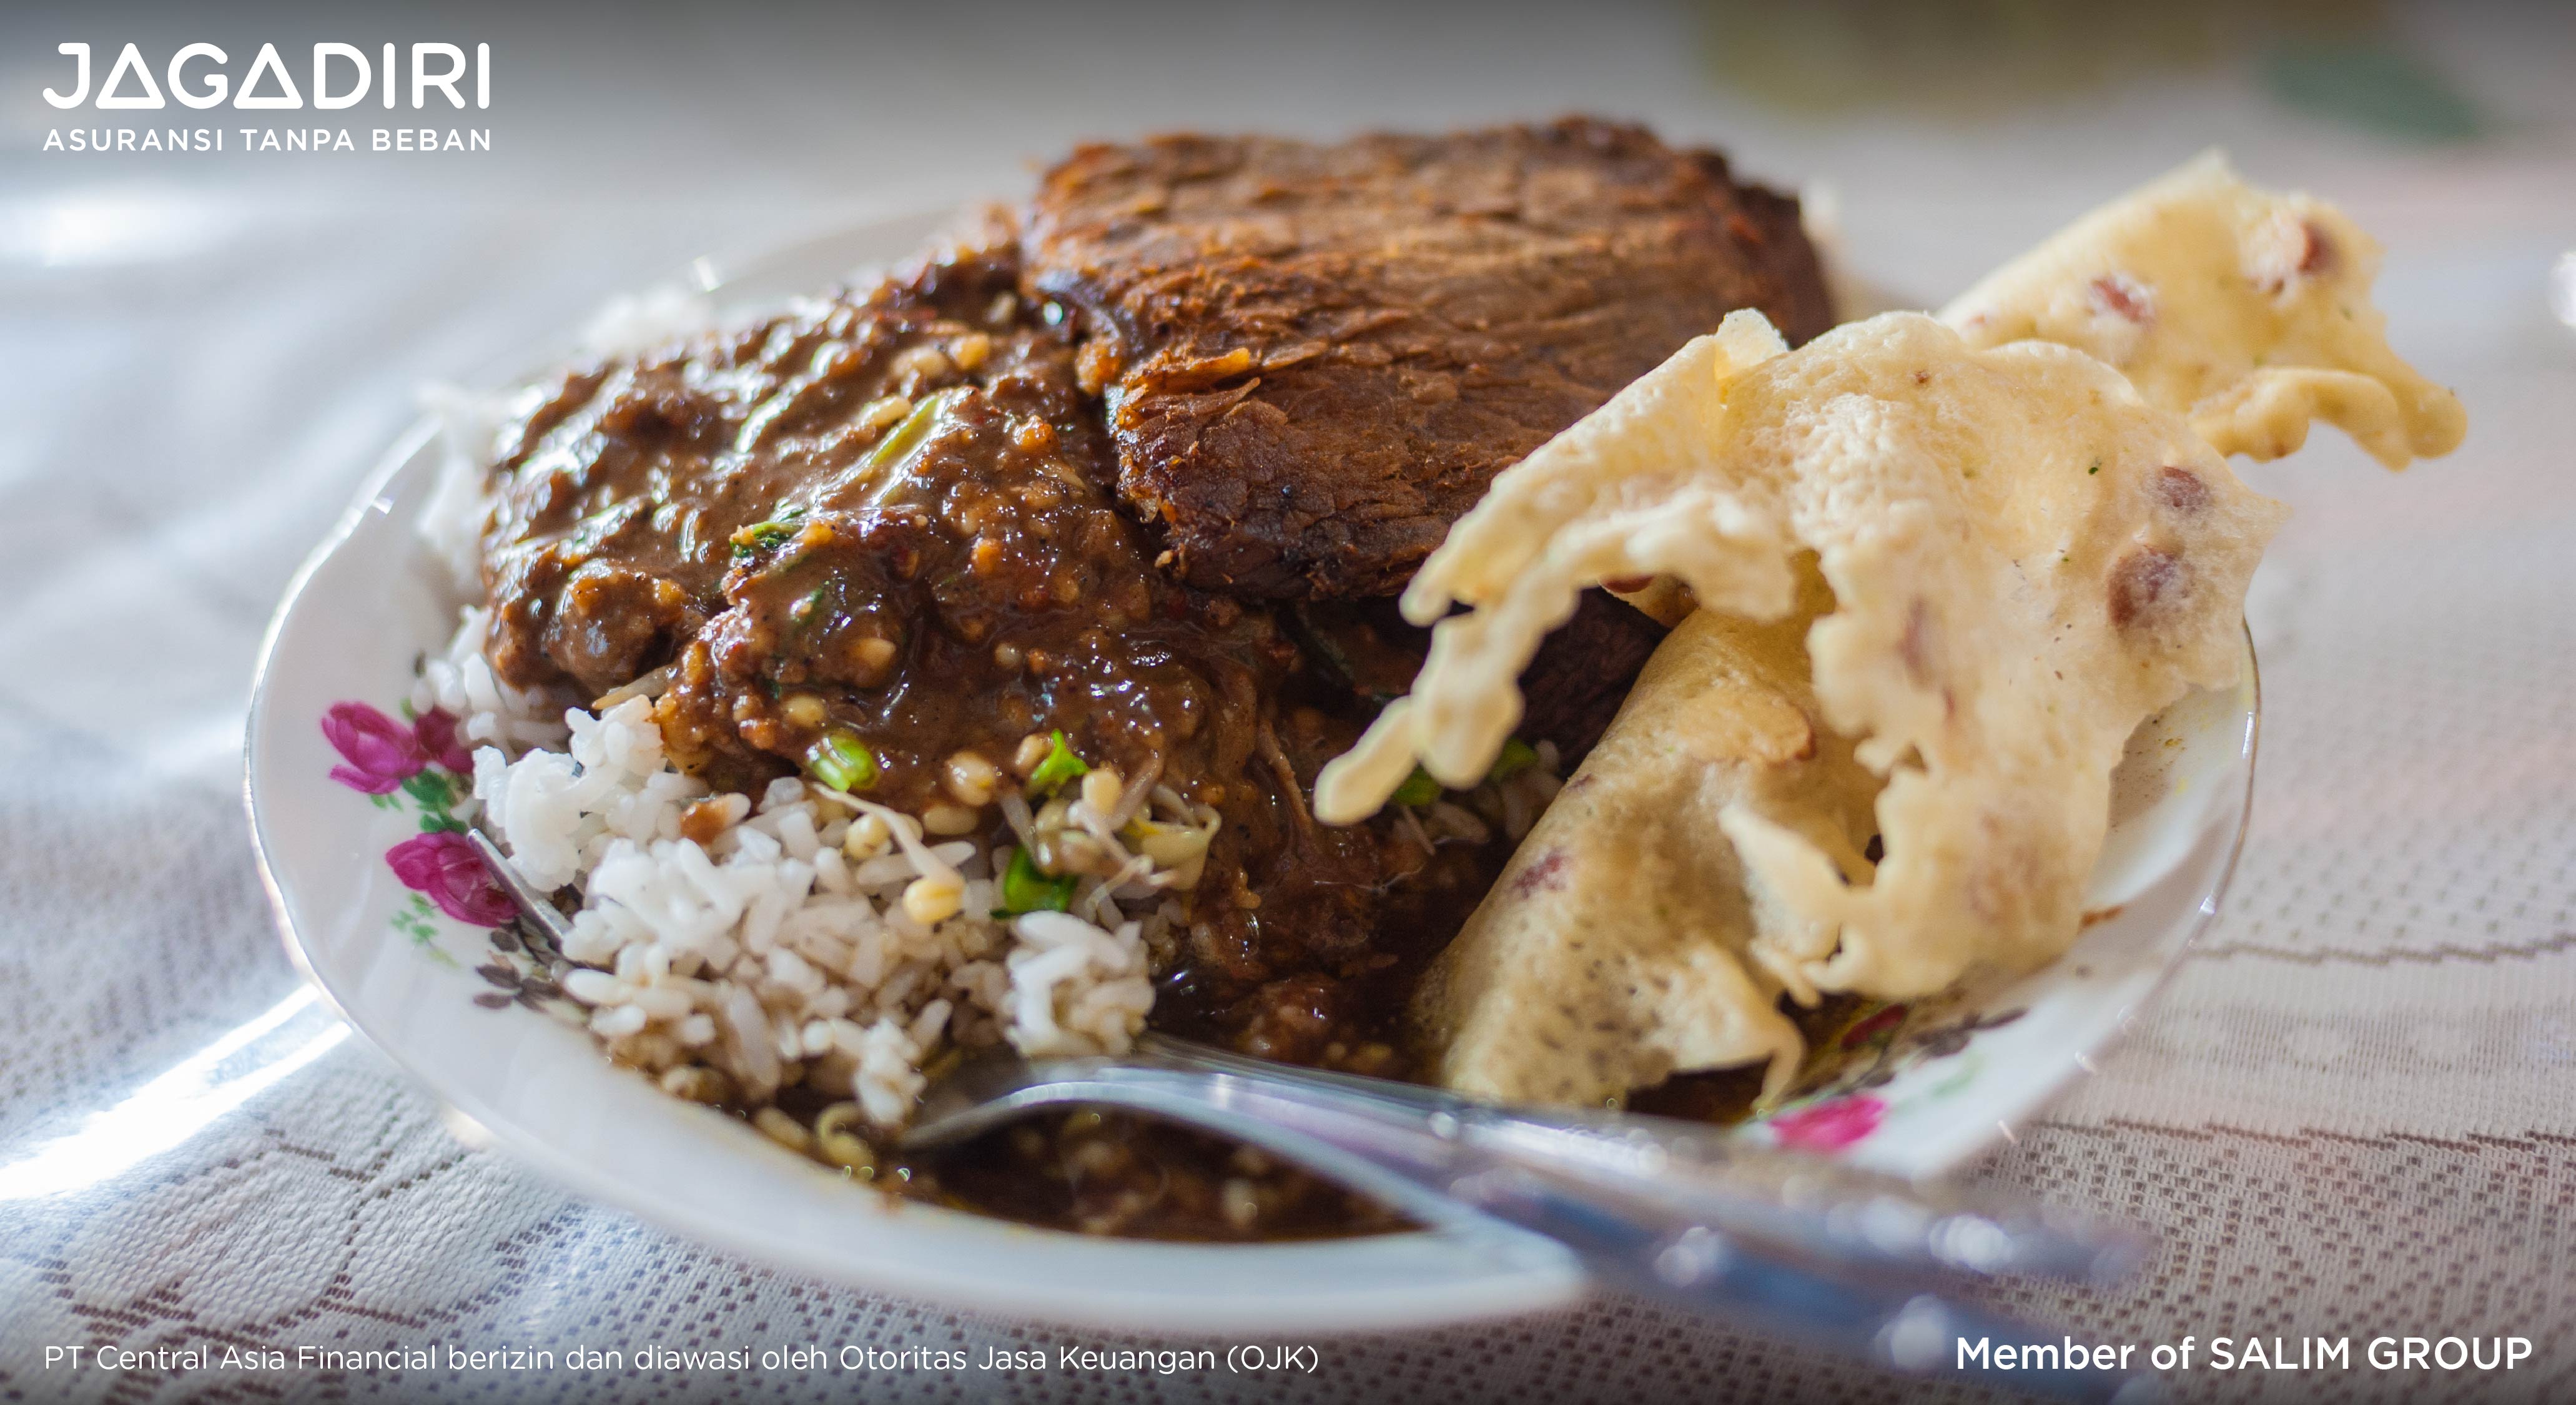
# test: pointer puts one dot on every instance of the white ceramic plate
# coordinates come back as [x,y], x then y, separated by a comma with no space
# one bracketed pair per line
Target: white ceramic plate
[1924,1089]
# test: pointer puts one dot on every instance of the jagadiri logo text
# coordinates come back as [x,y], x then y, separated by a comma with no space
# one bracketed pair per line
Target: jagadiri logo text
[341,76]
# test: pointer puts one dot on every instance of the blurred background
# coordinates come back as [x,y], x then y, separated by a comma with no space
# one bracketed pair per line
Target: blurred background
[201,355]
[260,318]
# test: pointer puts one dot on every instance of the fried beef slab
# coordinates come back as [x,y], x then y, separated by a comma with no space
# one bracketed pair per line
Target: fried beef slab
[1316,357]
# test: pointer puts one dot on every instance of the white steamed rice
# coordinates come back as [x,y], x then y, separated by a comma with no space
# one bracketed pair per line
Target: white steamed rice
[782,951]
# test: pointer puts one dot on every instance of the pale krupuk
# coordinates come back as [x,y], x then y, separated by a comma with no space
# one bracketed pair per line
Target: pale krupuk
[2248,313]
[1944,569]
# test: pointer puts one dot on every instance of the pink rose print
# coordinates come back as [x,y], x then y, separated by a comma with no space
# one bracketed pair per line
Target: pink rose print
[442,864]
[1829,1126]
[382,753]
[436,733]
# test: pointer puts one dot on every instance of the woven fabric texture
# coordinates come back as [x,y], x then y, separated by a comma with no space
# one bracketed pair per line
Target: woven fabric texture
[2350,1114]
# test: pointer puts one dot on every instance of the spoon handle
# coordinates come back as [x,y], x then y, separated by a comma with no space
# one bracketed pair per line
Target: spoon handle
[1818,1208]
[1657,1247]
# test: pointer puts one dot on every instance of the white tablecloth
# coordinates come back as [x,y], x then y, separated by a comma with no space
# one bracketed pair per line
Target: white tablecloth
[2351,1114]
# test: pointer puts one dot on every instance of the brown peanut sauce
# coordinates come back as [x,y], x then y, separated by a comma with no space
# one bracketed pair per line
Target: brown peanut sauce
[889,515]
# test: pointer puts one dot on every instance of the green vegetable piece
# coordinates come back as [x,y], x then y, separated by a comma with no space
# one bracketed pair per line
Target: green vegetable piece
[914,428]
[1518,756]
[760,537]
[1026,888]
[843,762]
[1419,789]
[1060,765]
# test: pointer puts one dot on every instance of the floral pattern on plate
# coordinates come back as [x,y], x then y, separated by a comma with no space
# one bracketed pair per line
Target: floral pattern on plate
[419,759]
